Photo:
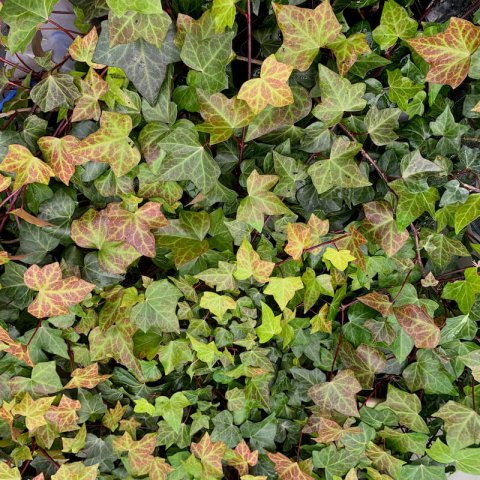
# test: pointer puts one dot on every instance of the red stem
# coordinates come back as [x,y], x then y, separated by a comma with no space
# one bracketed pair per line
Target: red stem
[15,65]
[64,30]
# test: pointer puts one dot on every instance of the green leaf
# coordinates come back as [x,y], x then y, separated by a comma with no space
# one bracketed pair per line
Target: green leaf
[144,64]
[463,291]
[224,429]
[273,118]
[260,201]
[381,227]
[304,32]
[217,304]
[43,380]
[207,57]
[187,159]
[407,407]
[158,311]
[23,18]
[55,91]
[381,124]
[402,90]
[467,212]
[427,373]
[395,23]
[340,170]
[462,425]
[338,96]
[271,324]
[413,202]
[222,115]
[283,289]
[120,7]
[223,12]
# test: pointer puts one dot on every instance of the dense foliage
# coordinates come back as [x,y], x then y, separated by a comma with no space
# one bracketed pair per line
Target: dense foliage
[235,243]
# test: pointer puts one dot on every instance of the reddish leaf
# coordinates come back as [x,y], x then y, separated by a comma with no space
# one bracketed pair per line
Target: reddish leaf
[210,454]
[55,294]
[7,344]
[448,53]
[419,325]
[87,377]
[286,469]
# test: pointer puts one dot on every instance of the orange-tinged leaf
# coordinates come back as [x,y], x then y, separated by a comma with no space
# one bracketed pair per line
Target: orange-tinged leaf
[113,416]
[4,182]
[210,454]
[111,144]
[139,452]
[286,469]
[222,115]
[337,395]
[59,153]
[448,53]
[328,431]
[305,31]
[83,48]
[29,218]
[134,228]
[93,88]
[299,238]
[242,458]
[158,469]
[76,471]
[13,347]
[64,416]
[271,88]
[33,410]
[26,167]
[379,302]
[347,50]
[55,294]
[419,325]
[249,264]
[92,231]
[87,377]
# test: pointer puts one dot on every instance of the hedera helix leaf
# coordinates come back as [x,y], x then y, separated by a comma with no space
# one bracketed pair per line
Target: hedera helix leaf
[120,7]
[260,201]
[26,167]
[55,293]
[187,159]
[338,96]
[111,144]
[305,31]
[222,115]
[448,53]
[92,230]
[130,26]
[23,19]
[347,50]
[93,89]
[83,48]
[340,170]
[56,90]
[271,88]
[395,23]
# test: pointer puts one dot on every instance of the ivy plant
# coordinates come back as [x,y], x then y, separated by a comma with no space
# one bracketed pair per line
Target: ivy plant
[237,242]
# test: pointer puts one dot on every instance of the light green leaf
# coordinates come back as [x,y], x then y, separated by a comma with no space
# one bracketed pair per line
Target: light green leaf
[271,324]
[338,96]
[395,23]
[283,289]
[464,291]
